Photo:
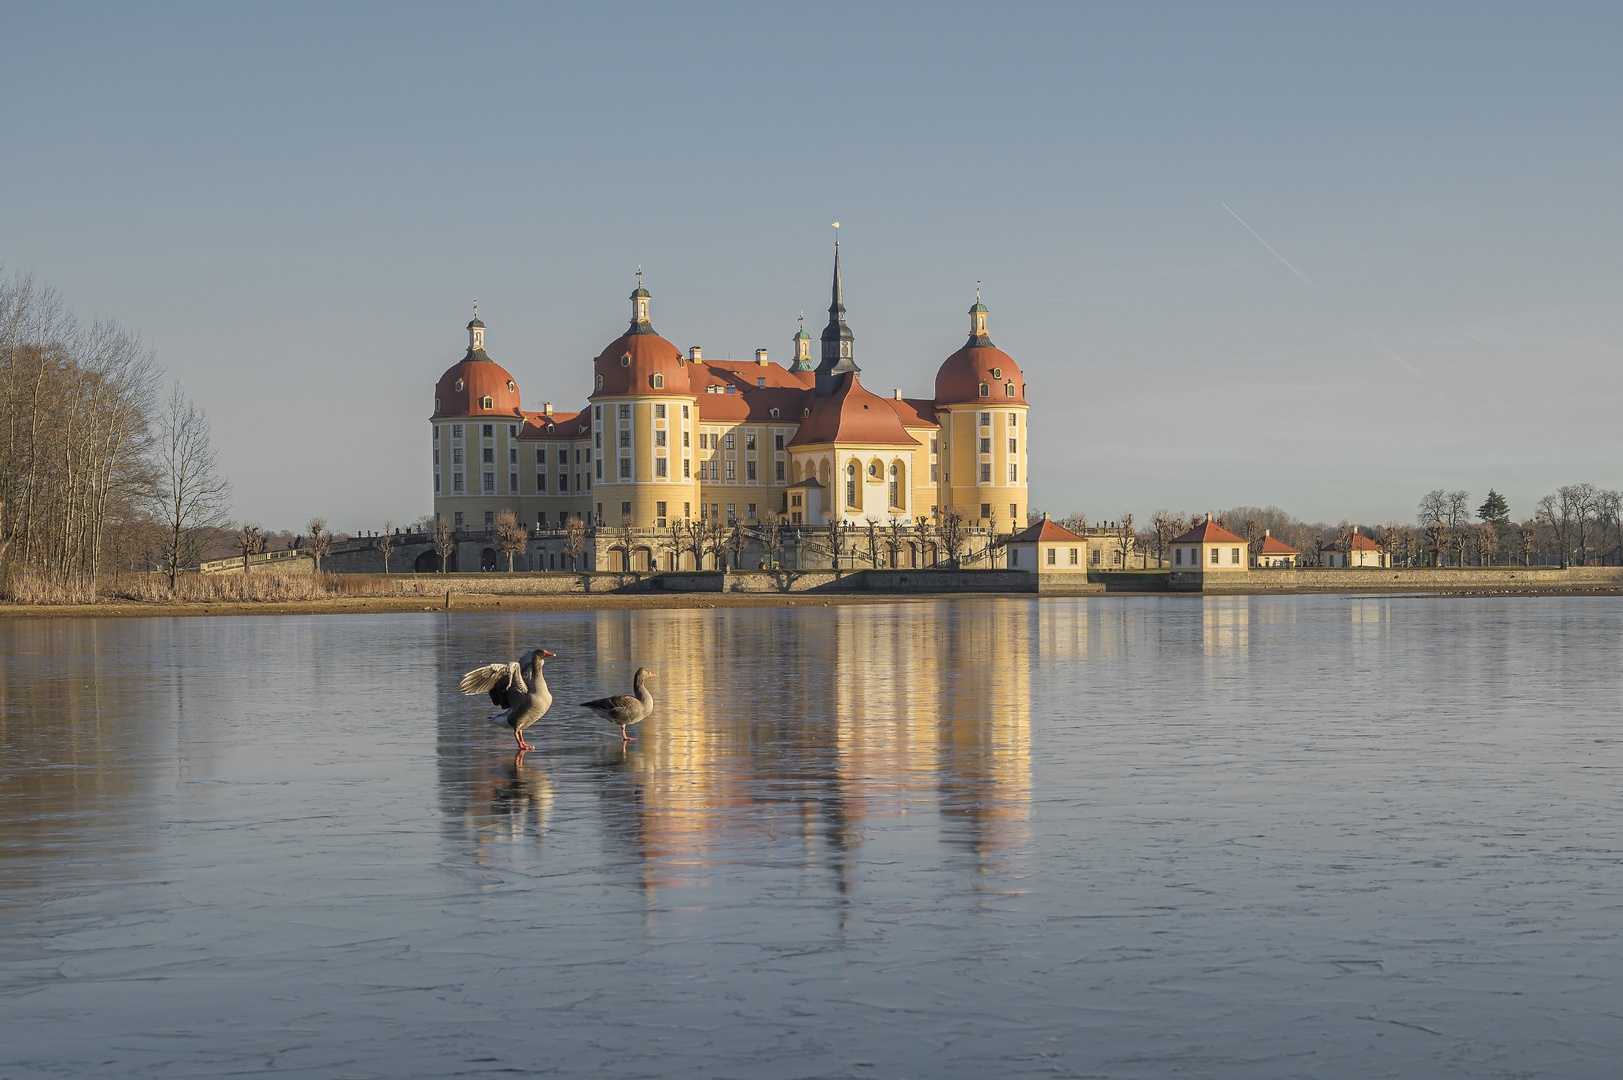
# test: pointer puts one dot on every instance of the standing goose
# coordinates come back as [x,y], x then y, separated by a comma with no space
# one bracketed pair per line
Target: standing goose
[625,710]
[525,704]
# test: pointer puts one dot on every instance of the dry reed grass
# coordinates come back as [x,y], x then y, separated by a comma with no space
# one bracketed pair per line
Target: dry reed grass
[260,587]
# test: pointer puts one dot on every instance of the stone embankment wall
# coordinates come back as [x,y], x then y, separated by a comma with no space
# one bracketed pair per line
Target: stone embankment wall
[1429,579]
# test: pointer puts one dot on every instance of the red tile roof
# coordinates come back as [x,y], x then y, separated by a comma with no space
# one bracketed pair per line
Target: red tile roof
[1045,531]
[1272,545]
[915,412]
[755,406]
[1360,542]
[1208,532]
[480,377]
[852,414]
[959,380]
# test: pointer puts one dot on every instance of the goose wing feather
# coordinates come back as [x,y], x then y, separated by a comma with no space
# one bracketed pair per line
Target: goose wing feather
[618,705]
[498,680]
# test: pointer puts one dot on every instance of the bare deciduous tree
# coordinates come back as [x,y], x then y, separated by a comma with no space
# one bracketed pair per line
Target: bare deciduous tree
[444,541]
[952,533]
[574,541]
[386,544]
[1124,540]
[191,495]
[250,541]
[511,536]
[320,540]
[625,535]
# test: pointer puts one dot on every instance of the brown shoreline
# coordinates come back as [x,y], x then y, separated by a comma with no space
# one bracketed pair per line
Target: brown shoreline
[666,601]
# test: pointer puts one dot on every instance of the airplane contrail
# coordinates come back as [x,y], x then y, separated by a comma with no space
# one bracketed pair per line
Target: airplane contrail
[1270,248]
[1410,367]
[1457,330]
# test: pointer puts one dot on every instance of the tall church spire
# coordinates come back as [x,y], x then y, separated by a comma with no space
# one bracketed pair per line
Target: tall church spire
[838,341]
[640,322]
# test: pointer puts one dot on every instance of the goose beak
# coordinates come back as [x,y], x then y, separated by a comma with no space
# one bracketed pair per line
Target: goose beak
[548,655]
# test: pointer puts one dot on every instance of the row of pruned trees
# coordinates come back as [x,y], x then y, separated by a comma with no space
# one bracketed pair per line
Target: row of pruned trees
[99,469]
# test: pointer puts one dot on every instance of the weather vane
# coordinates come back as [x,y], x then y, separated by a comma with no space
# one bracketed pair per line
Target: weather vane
[803,322]
[476,309]
[977,290]
[836,234]
[639,275]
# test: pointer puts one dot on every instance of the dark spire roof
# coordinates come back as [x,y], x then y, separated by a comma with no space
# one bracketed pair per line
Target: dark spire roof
[839,344]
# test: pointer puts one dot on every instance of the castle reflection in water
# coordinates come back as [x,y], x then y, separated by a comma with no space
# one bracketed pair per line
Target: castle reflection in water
[787,734]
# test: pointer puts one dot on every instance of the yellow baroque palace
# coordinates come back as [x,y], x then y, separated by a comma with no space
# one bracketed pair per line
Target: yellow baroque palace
[668,437]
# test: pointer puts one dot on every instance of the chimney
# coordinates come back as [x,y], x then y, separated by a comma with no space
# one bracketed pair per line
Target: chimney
[1267,532]
[546,407]
[898,393]
[1208,515]
[1045,515]
[760,357]
[695,353]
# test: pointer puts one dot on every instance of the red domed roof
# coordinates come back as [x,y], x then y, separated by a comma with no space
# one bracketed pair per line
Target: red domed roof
[463,389]
[640,363]
[959,380]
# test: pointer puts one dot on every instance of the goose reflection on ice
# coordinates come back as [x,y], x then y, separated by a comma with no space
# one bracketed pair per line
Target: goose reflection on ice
[788,735]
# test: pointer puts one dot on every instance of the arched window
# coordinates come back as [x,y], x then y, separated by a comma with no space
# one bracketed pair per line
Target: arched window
[436,404]
[600,386]
[458,386]
[659,382]
[774,414]
[486,402]
[985,391]
[851,484]
[512,387]
[895,488]
[873,470]
[1008,390]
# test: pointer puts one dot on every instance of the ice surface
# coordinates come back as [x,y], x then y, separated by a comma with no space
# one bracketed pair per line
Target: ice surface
[1135,837]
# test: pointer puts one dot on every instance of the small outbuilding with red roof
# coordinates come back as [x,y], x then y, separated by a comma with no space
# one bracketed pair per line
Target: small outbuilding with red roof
[1048,547]
[1274,553]
[1208,548]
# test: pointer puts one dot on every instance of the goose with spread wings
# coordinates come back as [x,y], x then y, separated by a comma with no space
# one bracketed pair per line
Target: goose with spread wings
[623,709]
[520,688]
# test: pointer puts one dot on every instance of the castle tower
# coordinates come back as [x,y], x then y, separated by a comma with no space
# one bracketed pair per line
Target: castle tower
[802,343]
[837,340]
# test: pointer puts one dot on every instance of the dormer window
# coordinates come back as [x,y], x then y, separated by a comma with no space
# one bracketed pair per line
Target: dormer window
[436,404]
[600,382]
[985,390]
[486,402]
[625,360]
[1008,390]
[659,382]
[997,373]
[774,414]
[512,387]
[458,386]
[760,382]
[805,412]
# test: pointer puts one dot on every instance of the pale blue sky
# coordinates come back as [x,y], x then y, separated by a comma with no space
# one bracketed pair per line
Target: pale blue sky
[297,206]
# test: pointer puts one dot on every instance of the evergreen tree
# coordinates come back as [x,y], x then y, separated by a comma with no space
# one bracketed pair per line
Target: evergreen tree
[1495,510]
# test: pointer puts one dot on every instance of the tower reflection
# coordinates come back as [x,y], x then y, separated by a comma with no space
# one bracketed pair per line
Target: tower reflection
[780,734]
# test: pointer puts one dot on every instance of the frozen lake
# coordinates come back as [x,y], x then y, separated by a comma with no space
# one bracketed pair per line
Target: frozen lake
[1117,837]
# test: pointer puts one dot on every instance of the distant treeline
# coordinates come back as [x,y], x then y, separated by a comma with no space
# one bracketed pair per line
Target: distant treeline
[1577,525]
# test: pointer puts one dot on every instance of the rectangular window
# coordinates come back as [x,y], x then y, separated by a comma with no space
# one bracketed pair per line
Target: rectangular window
[577,456]
[490,482]
[541,483]
[512,483]
[1073,557]
[986,446]
[490,455]
[490,518]
[1014,514]
[749,441]
[625,509]
[750,510]
[704,512]
[540,455]
[687,509]
[456,455]
[1014,420]
[986,474]
[1014,556]
[731,445]
[436,483]
[778,442]
[731,473]
[659,512]
[685,443]
[935,472]
[456,481]
[597,440]
[749,471]
[704,440]
[541,519]
[625,412]
[490,431]
[512,455]
[456,431]
[1014,446]
[684,412]
[1014,474]
[597,412]
[1093,556]
[458,520]
[1177,556]
[659,414]
[659,437]
[1214,556]
[986,419]
[934,444]
[625,439]
[625,468]
[850,493]
[512,431]
[436,457]
[659,467]
[563,481]
[1051,556]
[986,510]
[1235,558]
[589,478]
[779,470]
[732,513]
[685,467]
